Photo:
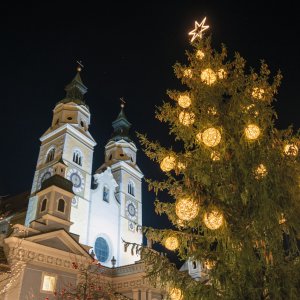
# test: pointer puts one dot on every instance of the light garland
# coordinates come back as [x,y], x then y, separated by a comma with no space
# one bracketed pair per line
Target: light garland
[175,294]
[186,209]
[252,132]
[200,54]
[208,76]
[171,243]
[291,150]
[181,166]
[211,137]
[212,111]
[184,101]
[222,74]
[168,163]
[186,118]
[213,219]
[260,172]
[215,156]
[188,73]
[258,93]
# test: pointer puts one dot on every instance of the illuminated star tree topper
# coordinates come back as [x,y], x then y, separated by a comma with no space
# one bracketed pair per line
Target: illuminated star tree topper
[199,28]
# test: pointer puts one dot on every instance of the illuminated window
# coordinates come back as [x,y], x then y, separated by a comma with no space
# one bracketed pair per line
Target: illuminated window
[101,249]
[44,205]
[77,157]
[131,188]
[105,194]
[61,205]
[50,155]
[48,282]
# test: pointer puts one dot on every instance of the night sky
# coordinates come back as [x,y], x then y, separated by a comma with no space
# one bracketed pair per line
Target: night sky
[128,50]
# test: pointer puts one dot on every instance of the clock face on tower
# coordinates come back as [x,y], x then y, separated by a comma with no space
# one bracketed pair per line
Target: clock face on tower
[131,210]
[45,175]
[77,179]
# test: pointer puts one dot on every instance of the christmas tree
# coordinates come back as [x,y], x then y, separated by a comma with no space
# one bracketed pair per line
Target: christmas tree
[234,181]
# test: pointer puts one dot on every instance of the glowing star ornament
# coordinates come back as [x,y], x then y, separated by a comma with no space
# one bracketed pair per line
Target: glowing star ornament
[186,209]
[171,243]
[199,29]
[260,172]
[213,219]
[291,150]
[186,118]
[175,294]
[252,132]
[211,137]
[168,163]
[208,76]
[184,101]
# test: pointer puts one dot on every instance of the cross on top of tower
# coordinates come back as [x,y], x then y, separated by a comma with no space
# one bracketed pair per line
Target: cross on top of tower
[122,102]
[80,66]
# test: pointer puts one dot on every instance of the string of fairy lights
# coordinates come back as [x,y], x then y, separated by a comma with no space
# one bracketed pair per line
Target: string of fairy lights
[187,208]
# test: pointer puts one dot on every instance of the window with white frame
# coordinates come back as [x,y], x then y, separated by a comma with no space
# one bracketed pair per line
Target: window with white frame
[77,157]
[106,193]
[48,282]
[50,155]
[131,187]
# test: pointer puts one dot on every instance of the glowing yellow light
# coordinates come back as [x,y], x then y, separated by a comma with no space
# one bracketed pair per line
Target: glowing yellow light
[212,111]
[282,219]
[222,73]
[184,101]
[187,118]
[186,209]
[209,264]
[175,294]
[291,150]
[211,137]
[208,76]
[258,93]
[260,172]
[200,54]
[181,166]
[215,156]
[171,243]
[168,163]
[252,131]
[188,73]
[213,219]
[199,28]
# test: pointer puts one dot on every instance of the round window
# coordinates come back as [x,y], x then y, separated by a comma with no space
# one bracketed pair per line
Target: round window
[101,249]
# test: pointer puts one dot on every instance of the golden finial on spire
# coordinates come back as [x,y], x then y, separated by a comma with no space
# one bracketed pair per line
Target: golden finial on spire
[122,102]
[79,66]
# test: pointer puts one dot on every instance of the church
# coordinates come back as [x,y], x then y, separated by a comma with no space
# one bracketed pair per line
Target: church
[72,215]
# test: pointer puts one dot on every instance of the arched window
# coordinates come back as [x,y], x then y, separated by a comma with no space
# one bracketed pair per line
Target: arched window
[50,155]
[101,249]
[106,193]
[77,157]
[61,205]
[44,205]
[131,188]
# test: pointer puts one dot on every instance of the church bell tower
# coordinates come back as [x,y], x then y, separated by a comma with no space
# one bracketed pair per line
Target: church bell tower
[68,139]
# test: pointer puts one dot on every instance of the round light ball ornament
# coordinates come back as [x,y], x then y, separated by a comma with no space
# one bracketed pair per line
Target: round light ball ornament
[168,163]
[200,54]
[208,76]
[186,209]
[222,74]
[291,150]
[184,101]
[175,294]
[258,93]
[252,132]
[171,243]
[211,137]
[260,172]
[187,73]
[213,219]
[187,118]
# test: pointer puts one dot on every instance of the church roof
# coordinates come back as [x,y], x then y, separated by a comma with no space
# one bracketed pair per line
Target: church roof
[121,128]
[58,181]
[75,91]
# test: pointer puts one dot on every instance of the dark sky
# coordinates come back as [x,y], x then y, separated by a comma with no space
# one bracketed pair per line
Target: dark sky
[128,50]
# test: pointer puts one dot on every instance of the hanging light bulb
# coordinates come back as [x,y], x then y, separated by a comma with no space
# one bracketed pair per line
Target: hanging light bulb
[222,74]
[188,73]
[291,150]
[186,209]
[211,137]
[186,118]
[258,93]
[184,101]
[168,163]
[208,76]
[252,131]
[260,172]
[213,219]
[215,156]
[175,294]
[171,243]
[200,54]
